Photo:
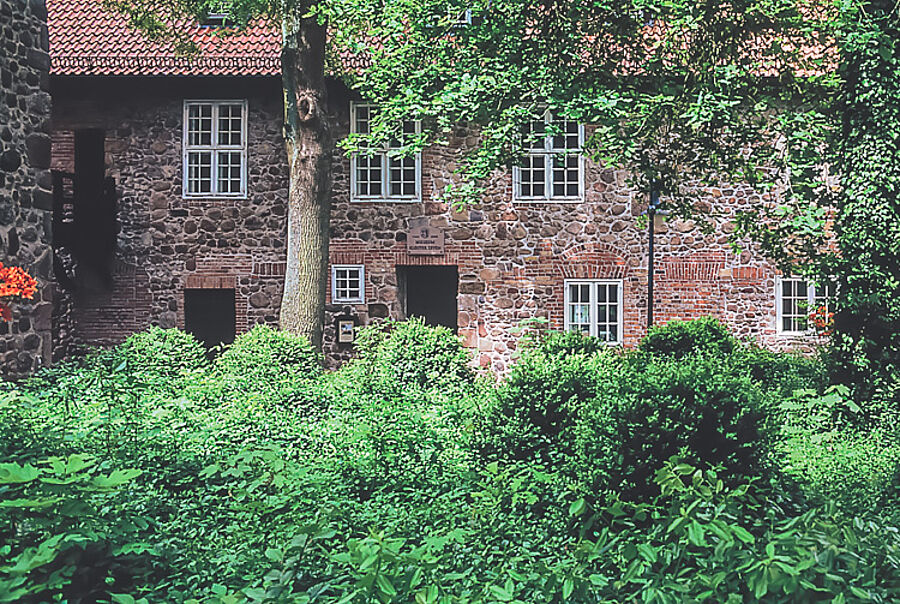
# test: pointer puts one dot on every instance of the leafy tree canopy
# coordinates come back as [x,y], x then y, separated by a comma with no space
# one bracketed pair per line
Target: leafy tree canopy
[681,92]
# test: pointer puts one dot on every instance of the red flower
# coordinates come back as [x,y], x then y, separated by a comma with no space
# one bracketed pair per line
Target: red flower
[14,283]
[822,320]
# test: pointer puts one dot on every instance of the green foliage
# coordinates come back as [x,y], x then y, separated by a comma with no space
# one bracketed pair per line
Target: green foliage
[65,530]
[697,406]
[695,114]
[705,541]
[569,342]
[265,353]
[679,338]
[402,478]
[865,151]
[399,355]
[834,457]
[538,404]
[609,421]
[166,353]
[708,336]
[263,366]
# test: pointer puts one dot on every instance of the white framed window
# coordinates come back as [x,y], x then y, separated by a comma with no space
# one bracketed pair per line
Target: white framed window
[381,174]
[214,147]
[553,167]
[594,307]
[348,284]
[795,300]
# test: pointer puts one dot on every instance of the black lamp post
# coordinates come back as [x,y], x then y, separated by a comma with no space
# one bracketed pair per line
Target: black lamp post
[651,214]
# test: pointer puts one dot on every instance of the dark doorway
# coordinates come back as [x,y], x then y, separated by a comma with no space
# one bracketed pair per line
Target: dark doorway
[90,168]
[94,236]
[209,315]
[430,292]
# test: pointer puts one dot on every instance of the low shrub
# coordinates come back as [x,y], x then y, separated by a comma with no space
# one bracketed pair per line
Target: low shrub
[648,412]
[264,352]
[832,456]
[680,338]
[554,343]
[393,356]
[529,413]
[609,421]
[773,371]
[781,373]
[263,366]
[163,353]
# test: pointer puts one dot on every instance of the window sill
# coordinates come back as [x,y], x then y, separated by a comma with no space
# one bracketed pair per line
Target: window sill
[385,200]
[214,197]
[548,200]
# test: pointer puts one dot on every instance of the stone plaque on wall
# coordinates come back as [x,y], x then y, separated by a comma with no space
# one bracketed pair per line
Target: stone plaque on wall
[424,240]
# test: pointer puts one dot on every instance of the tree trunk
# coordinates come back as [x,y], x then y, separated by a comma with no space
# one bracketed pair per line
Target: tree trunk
[309,150]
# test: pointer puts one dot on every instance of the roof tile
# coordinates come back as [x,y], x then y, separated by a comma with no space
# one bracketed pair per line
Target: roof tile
[87,39]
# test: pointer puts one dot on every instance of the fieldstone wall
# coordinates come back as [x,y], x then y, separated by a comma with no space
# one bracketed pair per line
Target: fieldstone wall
[25,198]
[167,243]
[512,258]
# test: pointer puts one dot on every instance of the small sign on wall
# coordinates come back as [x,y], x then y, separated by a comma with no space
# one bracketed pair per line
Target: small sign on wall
[346,331]
[424,239]
[345,323]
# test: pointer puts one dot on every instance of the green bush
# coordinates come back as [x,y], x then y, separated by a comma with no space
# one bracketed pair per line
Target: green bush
[530,412]
[611,421]
[393,356]
[692,406]
[833,458]
[679,338]
[263,366]
[781,372]
[569,342]
[26,428]
[156,362]
[860,471]
[264,352]
[164,353]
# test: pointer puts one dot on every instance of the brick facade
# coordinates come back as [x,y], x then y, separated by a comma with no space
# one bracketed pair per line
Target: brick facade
[512,258]
[25,199]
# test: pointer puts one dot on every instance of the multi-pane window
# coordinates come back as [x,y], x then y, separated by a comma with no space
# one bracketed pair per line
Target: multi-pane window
[348,284]
[215,148]
[796,300]
[552,166]
[594,308]
[381,174]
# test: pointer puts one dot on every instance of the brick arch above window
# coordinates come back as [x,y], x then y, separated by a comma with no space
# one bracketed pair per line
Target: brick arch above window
[596,248]
[592,260]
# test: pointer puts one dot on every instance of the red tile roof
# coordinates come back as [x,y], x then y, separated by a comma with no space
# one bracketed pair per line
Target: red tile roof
[86,39]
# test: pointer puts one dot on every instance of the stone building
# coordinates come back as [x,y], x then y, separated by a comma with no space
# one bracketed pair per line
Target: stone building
[25,198]
[186,158]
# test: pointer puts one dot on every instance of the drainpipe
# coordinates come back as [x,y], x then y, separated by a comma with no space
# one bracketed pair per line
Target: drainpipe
[651,264]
